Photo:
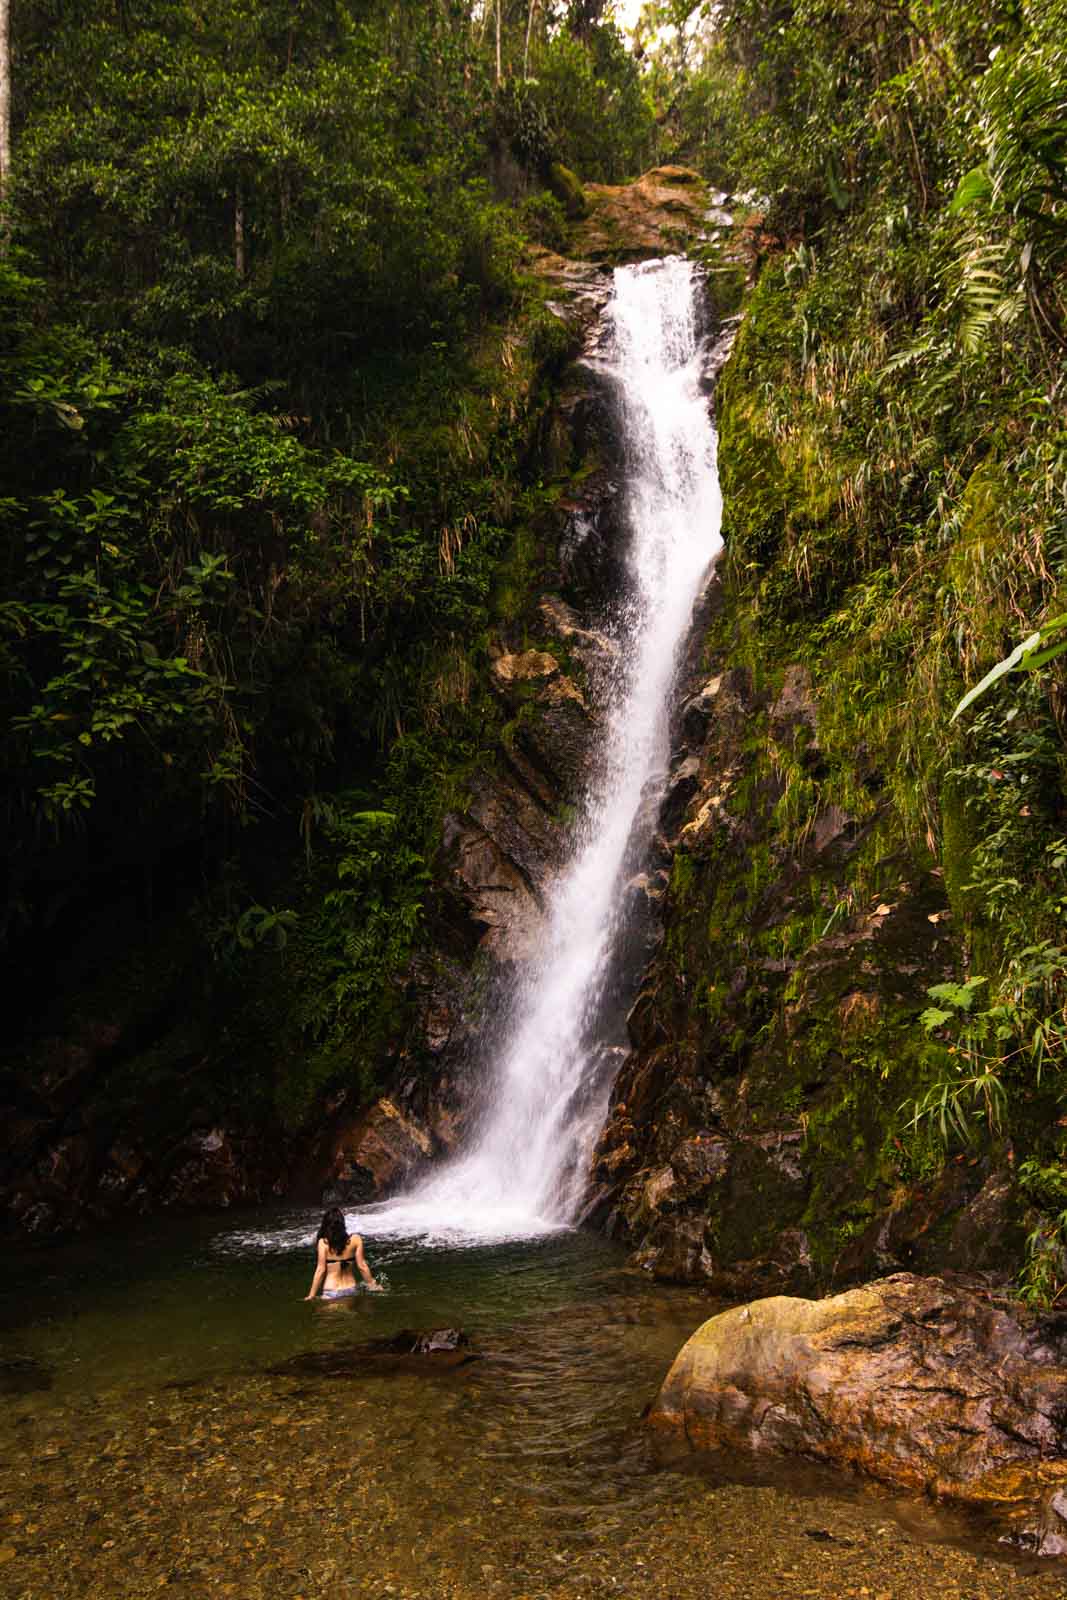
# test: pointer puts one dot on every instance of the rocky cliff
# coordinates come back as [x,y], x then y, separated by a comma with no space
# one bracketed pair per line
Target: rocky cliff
[153,1087]
[754,1138]
[763,1135]
[786,929]
[550,678]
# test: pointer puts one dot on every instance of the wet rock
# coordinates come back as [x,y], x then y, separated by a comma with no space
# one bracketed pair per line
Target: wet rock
[206,1169]
[23,1375]
[698,711]
[700,1161]
[557,737]
[517,822]
[683,785]
[783,1265]
[553,728]
[410,1343]
[496,895]
[918,1383]
[441,1350]
[679,1253]
[1039,1530]
[644,1024]
[658,1190]
[581,288]
[590,555]
[707,815]
[645,890]
[595,649]
[380,1151]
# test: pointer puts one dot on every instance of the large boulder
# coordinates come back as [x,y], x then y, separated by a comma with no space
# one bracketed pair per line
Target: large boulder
[662,211]
[921,1384]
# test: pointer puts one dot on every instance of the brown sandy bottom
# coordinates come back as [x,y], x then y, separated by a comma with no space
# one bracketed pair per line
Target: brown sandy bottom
[515,1476]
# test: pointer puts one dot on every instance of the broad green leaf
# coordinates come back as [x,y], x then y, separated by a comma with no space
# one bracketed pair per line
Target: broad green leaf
[1030,663]
[973,187]
[998,672]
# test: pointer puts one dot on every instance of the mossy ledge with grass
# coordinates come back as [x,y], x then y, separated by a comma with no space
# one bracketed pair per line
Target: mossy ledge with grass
[850,1052]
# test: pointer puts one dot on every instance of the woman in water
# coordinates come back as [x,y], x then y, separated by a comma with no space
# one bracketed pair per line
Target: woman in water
[338,1255]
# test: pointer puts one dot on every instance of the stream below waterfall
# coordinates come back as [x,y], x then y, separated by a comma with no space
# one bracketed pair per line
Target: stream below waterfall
[159,1437]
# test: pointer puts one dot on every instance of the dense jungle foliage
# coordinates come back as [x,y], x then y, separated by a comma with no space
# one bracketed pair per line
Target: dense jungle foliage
[269,369]
[269,366]
[894,461]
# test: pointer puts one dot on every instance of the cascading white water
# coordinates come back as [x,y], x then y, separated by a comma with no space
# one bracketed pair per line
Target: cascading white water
[525,1171]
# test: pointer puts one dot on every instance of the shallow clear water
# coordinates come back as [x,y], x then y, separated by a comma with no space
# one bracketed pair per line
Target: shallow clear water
[184,1299]
[157,1435]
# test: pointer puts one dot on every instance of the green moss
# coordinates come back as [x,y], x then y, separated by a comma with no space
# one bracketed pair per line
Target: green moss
[957,845]
[568,191]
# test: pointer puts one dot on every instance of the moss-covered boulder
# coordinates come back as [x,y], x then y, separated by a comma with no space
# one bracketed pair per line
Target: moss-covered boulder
[568,191]
[663,211]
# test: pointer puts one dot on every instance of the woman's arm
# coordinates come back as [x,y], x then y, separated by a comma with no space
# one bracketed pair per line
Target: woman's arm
[320,1272]
[368,1276]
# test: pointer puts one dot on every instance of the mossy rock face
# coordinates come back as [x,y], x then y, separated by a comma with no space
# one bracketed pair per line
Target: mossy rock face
[568,191]
[823,867]
[663,212]
[780,1019]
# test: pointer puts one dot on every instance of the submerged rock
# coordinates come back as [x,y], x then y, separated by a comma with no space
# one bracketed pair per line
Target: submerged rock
[23,1375]
[438,1350]
[409,1342]
[913,1381]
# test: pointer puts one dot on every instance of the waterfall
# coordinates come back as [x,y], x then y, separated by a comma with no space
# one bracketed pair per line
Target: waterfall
[525,1169]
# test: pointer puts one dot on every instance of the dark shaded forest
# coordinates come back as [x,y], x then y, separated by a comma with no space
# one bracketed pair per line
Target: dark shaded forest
[270,352]
[266,344]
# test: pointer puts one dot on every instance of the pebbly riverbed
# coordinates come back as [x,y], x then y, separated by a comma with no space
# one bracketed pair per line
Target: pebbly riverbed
[177,1420]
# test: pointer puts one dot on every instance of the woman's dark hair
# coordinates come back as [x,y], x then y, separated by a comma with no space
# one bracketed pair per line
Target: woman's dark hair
[333,1230]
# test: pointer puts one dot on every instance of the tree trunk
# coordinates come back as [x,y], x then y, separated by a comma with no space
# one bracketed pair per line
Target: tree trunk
[526,51]
[5,96]
[499,68]
[238,229]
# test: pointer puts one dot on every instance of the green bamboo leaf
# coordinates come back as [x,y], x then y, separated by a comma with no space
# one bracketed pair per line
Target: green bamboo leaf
[1030,663]
[1002,667]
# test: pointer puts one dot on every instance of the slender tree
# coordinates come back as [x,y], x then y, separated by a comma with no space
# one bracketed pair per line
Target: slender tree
[529,31]
[5,94]
[239,231]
